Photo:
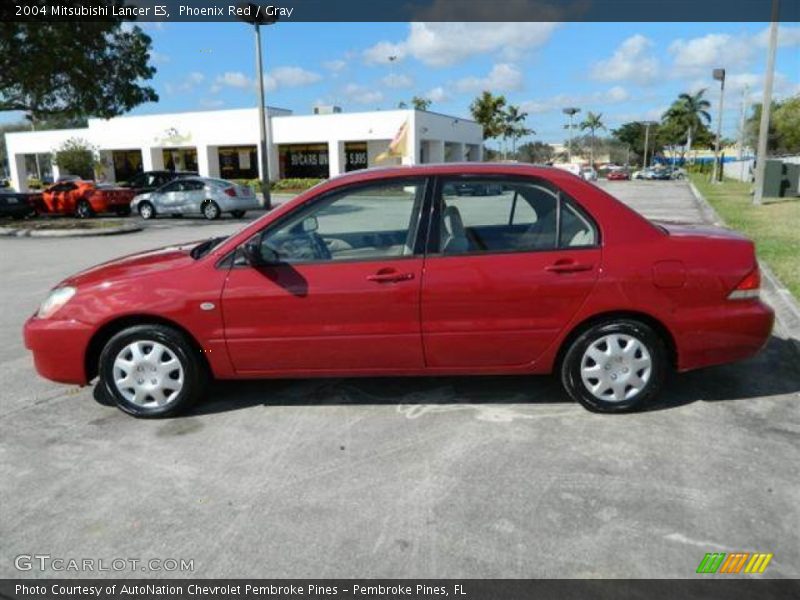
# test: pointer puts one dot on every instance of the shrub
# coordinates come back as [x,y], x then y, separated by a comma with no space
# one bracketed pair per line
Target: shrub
[77,157]
[294,184]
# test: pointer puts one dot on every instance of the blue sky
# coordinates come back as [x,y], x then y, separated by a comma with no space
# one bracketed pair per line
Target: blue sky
[626,71]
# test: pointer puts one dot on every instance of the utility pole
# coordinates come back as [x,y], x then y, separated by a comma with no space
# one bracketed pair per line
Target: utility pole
[742,117]
[262,117]
[571,111]
[766,104]
[719,75]
[646,142]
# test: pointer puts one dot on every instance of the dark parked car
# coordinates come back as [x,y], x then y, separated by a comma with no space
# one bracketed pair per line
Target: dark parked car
[16,205]
[150,180]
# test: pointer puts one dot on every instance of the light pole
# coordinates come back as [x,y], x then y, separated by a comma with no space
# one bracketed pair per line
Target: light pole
[646,142]
[571,111]
[258,21]
[719,75]
[766,102]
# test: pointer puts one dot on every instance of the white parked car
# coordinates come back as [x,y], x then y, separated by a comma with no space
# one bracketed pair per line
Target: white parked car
[588,173]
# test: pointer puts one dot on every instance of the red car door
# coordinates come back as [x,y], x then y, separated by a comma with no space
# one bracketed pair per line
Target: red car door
[513,261]
[341,290]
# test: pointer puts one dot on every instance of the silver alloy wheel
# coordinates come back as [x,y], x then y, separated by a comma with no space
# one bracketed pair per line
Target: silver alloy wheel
[148,374]
[210,211]
[616,367]
[146,211]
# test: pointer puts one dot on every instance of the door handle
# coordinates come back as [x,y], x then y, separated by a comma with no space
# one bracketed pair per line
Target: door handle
[568,267]
[390,277]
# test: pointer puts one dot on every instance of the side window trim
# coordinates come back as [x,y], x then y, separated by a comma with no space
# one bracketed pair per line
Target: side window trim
[434,220]
[418,217]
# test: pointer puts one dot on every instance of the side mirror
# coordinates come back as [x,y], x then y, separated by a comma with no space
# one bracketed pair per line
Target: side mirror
[258,255]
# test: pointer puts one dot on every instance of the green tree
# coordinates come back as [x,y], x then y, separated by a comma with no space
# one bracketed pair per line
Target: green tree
[77,157]
[75,68]
[514,126]
[420,103]
[783,136]
[593,122]
[535,152]
[690,113]
[489,110]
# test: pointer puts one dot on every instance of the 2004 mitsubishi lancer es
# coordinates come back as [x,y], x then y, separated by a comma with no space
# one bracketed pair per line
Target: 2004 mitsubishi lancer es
[456,269]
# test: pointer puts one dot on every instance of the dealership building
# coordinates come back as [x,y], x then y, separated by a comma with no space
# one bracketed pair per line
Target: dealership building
[224,143]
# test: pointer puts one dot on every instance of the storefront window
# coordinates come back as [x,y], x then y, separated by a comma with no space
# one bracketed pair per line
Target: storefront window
[238,162]
[180,159]
[127,163]
[355,156]
[303,160]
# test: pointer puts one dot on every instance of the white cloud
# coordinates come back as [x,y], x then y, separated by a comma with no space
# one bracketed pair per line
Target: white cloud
[631,61]
[361,94]
[613,95]
[335,66]
[698,55]
[280,77]
[788,35]
[186,84]
[397,81]
[292,77]
[503,77]
[235,79]
[441,44]
[437,94]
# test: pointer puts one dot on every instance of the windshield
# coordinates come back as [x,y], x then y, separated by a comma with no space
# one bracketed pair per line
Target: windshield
[204,248]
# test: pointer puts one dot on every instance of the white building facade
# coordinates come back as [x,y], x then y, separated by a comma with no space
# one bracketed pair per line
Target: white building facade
[224,143]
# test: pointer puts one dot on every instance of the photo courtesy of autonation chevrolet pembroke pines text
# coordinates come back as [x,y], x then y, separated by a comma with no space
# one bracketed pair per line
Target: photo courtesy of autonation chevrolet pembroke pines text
[416,299]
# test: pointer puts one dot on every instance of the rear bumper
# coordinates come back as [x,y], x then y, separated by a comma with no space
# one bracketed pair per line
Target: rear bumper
[239,203]
[59,348]
[713,336]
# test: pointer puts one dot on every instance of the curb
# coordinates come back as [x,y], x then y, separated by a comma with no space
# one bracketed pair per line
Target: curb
[61,233]
[787,310]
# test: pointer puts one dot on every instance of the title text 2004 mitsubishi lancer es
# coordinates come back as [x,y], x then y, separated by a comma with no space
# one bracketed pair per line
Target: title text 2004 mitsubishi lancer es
[456,269]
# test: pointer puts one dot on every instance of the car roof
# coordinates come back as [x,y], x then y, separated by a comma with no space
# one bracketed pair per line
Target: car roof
[453,168]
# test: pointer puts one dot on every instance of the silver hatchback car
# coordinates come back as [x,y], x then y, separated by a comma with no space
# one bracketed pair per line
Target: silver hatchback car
[196,195]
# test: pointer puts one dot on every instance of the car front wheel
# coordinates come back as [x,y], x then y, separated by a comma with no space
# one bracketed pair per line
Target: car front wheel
[151,371]
[146,210]
[615,366]
[211,210]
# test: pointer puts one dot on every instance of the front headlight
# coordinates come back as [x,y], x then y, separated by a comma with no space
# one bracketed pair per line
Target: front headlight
[55,300]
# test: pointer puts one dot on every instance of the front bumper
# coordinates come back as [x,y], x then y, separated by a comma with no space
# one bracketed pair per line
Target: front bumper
[59,348]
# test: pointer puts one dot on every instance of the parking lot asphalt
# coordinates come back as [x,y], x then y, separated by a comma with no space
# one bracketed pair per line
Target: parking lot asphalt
[436,477]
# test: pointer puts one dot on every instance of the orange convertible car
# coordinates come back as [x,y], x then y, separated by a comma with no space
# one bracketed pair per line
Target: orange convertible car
[85,199]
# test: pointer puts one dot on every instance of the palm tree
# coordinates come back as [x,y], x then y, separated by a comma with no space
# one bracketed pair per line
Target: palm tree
[420,103]
[488,110]
[689,111]
[514,127]
[593,122]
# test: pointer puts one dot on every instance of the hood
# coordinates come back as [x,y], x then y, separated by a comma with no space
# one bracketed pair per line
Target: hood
[706,231]
[135,265]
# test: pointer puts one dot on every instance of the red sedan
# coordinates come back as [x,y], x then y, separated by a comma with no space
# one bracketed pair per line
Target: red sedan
[85,199]
[618,175]
[400,272]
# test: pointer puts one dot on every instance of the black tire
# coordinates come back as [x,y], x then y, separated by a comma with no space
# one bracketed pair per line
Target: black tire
[238,214]
[622,372]
[195,375]
[83,210]
[210,210]
[147,210]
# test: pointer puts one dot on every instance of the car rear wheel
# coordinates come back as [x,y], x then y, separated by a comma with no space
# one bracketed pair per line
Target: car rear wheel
[83,210]
[146,210]
[151,371]
[238,214]
[211,210]
[615,366]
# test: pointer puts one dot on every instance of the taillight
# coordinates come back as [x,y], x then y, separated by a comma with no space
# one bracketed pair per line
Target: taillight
[231,192]
[747,287]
